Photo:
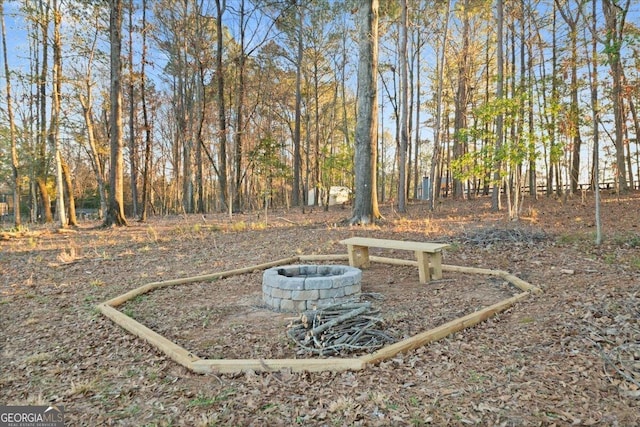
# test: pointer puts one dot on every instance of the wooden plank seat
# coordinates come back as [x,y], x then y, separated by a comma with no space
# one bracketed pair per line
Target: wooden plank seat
[429,255]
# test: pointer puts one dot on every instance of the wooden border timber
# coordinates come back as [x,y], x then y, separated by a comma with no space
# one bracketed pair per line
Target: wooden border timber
[338,257]
[442,331]
[119,300]
[198,365]
[211,366]
[514,280]
[171,349]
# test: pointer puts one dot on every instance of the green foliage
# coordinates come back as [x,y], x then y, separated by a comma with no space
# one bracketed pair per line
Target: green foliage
[335,165]
[473,163]
[267,159]
[511,152]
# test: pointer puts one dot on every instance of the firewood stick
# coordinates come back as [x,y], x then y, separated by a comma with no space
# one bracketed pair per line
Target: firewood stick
[338,319]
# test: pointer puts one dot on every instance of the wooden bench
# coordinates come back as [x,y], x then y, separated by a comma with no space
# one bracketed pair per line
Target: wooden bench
[429,255]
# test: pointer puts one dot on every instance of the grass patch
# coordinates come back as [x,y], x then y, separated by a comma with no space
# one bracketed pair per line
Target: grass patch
[139,299]
[630,240]
[38,358]
[239,226]
[635,263]
[573,238]
[128,312]
[414,401]
[84,387]
[258,226]
[201,400]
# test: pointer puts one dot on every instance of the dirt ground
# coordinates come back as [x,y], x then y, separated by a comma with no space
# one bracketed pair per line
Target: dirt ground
[570,356]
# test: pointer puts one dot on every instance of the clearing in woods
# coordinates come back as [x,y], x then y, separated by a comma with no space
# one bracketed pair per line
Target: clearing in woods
[569,356]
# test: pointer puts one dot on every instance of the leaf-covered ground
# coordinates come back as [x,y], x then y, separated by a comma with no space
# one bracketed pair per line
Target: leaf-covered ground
[570,356]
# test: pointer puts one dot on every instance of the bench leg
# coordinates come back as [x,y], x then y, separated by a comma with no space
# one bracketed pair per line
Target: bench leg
[436,264]
[358,256]
[423,266]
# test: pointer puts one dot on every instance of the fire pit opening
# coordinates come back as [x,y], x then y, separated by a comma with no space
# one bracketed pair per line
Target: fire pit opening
[296,288]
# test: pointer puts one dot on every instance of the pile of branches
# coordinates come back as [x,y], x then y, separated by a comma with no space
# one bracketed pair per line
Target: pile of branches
[495,236]
[340,328]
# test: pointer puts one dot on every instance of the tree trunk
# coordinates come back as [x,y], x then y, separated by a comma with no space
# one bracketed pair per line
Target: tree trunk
[42,161]
[437,150]
[636,125]
[12,127]
[595,109]
[615,15]
[94,152]
[404,110]
[462,95]
[572,21]
[297,159]
[238,136]
[133,150]
[416,151]
[115,209]
[497,176]
[54,129]
[146,174]
[222,113]
[72,218]
[365,208]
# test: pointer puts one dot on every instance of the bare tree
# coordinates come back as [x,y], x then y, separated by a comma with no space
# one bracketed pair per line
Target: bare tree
[95,145]
[571,15]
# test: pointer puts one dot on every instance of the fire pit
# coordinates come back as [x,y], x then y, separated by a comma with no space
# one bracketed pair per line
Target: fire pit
[296,288]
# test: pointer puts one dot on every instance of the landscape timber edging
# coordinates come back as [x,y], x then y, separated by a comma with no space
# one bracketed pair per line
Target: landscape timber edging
[198,365]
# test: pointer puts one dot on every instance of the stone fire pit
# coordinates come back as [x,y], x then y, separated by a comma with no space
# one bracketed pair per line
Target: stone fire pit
[296,288]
